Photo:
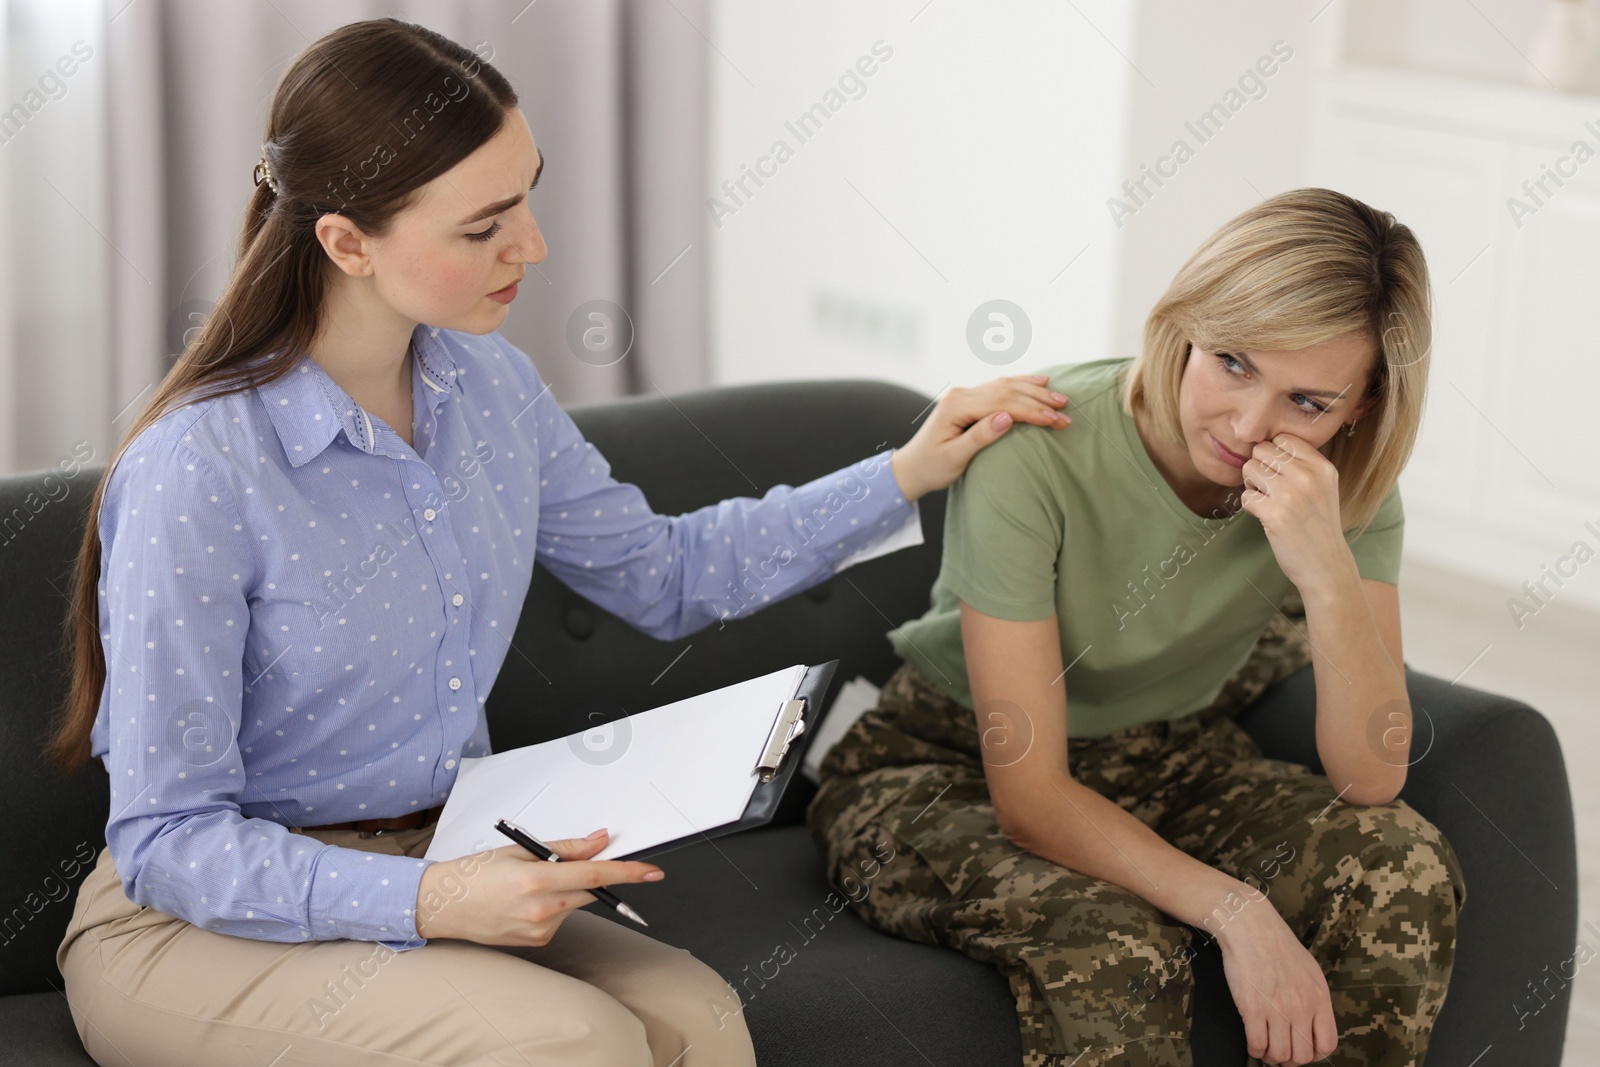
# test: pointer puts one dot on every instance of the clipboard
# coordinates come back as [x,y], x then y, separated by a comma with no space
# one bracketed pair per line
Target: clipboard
[777,764]
[588,789]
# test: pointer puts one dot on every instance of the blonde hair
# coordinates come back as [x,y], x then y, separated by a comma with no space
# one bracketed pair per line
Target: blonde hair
[1302,268]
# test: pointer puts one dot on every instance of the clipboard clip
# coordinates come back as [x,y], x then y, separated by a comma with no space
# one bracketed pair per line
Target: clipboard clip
[789,725]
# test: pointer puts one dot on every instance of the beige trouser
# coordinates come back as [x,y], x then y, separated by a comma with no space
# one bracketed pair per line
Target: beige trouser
[146,987]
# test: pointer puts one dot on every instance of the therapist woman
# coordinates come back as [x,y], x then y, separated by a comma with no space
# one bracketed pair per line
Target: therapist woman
[310,553]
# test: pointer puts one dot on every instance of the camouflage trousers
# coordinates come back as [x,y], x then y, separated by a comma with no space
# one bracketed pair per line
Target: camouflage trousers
[1101,976]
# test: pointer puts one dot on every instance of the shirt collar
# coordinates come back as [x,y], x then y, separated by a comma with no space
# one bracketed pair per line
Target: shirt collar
[308,408]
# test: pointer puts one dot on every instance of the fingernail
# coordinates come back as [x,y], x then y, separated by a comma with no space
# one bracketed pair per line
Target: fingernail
[596,834]
[655,876]
[1002,420]
[1058,397]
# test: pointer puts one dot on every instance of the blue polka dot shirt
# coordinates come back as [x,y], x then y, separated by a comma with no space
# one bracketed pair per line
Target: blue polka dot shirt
[302,616]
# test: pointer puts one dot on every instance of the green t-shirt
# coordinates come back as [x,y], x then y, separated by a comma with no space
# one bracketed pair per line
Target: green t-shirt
[1157,606]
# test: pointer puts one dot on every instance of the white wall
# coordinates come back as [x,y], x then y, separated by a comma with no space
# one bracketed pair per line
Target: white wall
[1195,56]
[973,167]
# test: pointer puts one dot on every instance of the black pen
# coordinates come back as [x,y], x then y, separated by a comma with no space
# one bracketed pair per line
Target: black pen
[604,895]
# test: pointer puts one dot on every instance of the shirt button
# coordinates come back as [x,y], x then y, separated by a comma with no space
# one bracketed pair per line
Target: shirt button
[455,683]
[449,763]
[457,600]
[429,513]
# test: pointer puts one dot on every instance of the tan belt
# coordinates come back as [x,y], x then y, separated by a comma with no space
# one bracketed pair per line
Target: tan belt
[399,822]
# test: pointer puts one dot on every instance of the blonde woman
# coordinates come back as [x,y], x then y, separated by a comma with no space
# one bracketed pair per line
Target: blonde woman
[1056,765]
[299,582]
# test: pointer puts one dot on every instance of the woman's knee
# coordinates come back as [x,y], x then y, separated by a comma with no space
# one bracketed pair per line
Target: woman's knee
[704,1011]
[1403,875]
[675,984]
[1404,857]
[590,1027]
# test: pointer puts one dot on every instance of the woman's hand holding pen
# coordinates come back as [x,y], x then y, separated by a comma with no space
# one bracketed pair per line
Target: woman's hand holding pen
[508,896]
[964,421]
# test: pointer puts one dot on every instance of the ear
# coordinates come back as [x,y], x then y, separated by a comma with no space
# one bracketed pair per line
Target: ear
[1370,400]
[1365,406]
[345,244]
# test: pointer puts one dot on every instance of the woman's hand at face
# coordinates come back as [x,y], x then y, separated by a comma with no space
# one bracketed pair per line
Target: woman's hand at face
[966,420]
[509,896]
[1294,490]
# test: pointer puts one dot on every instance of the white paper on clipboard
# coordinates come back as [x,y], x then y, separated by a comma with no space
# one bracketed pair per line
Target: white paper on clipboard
[654,777]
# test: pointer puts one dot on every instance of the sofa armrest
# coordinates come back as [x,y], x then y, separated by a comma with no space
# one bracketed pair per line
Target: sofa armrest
[1487,770]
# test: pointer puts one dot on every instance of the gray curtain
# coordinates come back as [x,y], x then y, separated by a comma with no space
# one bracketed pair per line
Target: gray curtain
[123,197]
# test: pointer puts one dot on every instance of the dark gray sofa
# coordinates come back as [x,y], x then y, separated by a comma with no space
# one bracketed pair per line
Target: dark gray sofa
[1493,777]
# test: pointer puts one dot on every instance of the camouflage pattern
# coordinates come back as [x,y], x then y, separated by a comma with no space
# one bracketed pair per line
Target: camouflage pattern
[1100,976]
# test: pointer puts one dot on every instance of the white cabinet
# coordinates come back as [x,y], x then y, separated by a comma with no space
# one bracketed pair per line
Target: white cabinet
[1549,391]
[1504,475]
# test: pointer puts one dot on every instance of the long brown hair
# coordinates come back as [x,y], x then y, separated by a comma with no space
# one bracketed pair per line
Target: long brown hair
[1301,268]
[360,121]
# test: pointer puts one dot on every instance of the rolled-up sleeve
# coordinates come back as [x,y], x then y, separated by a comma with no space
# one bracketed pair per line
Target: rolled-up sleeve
[669,576]
[176,568]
